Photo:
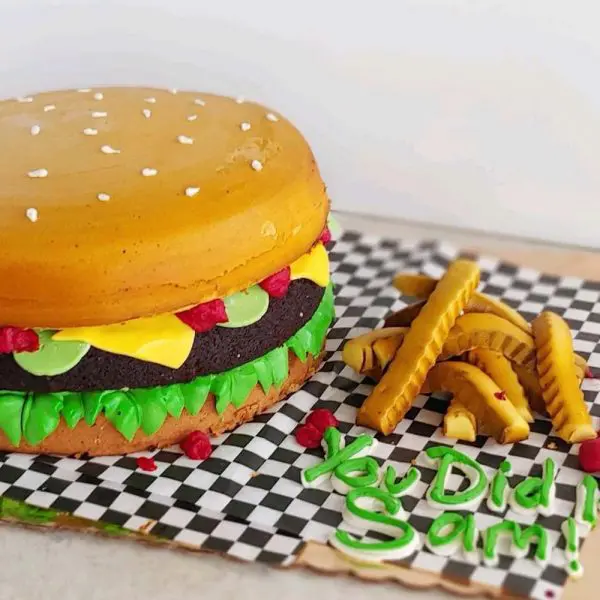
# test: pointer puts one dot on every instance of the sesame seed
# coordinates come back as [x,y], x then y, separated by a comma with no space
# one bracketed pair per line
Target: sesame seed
[25,100]
[147,113]
[148,172]
[268,229]
[90,131]
[273,118]
[256,165]
[199,102]
[240,100]
[245,126]
[32,214]
[84,90]
[49,107]
[36,173]
[173,91]
[109,150]
[150,100]
[184,139]
[191,191]
[103,197]
[35,130]
[98,96]
[98,115]
[192,117]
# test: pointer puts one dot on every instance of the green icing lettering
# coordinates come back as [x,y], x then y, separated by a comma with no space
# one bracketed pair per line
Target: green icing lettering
[334,441]
[92,406]
[246,307]
[471,535]
[11,410]
[446,529]
[449,457]
[536,493]
[35,416]
[586,507]
[153,410]
[53,358]
[41,415]
[402,487]
[451,531]
[311,475]
[72,410]
[499,488]
[122,410]
[358,472]
[571,535]
[521,540]
[404,538]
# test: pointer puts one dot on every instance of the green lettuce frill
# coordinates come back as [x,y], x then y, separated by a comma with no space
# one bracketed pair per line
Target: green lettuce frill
[34,416]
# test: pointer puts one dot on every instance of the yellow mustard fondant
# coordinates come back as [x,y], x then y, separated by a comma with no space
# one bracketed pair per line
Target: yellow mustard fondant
[314,265]
[164,339]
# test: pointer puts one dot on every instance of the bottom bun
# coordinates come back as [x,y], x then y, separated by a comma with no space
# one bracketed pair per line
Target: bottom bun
[102,439]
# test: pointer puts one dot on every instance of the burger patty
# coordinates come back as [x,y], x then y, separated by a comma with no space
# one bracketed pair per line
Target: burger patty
[213,351]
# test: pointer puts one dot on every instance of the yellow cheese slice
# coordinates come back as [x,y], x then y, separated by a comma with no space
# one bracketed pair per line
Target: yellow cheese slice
[314,266]
[164,339]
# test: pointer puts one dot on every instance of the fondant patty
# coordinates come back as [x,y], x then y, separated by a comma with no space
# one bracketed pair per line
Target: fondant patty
[213,351]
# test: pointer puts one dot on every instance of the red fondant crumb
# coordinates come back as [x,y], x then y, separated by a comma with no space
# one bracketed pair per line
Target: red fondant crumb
[309,436]
[204,316]
[15,339]
[321,418]
[589,456]
[277,285]
[589,374]
[145,463]
[196,445]
[501,395]
[325,236]
[550,594]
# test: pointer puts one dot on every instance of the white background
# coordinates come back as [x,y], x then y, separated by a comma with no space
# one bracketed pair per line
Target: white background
[479,114]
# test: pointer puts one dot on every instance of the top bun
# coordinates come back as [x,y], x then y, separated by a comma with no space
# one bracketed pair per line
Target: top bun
[120,203]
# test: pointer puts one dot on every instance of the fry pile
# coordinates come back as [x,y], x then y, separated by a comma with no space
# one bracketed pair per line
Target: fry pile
[498,367]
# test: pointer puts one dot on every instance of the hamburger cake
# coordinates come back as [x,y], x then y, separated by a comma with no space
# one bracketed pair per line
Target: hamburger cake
[163,267]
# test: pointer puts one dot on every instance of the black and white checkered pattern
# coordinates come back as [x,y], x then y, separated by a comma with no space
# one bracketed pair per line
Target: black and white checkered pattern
[251,483]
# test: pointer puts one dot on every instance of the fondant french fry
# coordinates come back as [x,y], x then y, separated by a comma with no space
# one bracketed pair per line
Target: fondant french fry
[420,286]
[460,422]
[472,388]
[359,353]
[405,316]
[471,331]
[581,367]
[491,333]
[414,285]
[499,368]
[528,379]
[558,379]
[400,384]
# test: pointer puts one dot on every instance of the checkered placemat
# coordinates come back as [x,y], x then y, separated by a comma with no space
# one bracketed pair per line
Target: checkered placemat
[253,477]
